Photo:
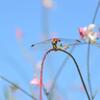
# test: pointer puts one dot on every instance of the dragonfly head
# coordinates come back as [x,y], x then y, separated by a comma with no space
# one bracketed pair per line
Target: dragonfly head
[56,40]
[32,45]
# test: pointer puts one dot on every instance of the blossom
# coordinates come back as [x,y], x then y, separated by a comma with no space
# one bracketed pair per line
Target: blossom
[82,31]
[35,81]
[88,34]
[19,34]
[48,3]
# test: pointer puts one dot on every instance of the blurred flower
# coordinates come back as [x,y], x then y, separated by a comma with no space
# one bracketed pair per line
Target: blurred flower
[78,87]
[48,3]
[88,34]
[48,85]
[35,81]
[82,31]
[19,34]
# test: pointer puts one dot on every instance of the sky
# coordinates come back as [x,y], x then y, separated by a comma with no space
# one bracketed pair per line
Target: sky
[18,60]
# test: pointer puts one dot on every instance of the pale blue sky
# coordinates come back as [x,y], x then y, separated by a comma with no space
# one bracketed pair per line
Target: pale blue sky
[65,18]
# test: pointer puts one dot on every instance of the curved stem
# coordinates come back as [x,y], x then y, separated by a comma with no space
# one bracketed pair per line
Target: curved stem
[78,69]
[88,53]
[22,90]
[60,69]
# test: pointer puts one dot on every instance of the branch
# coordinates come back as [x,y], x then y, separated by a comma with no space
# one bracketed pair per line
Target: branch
[78,69]
[88,53]
[61,69]
[22,90]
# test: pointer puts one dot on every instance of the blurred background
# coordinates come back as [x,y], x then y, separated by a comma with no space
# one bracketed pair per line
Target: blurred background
[24,22]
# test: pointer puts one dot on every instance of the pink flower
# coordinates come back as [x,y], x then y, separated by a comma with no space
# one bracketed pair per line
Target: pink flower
[48,3]
[85,31]
[88,34]
[82,32]
[19,34]
[35,81]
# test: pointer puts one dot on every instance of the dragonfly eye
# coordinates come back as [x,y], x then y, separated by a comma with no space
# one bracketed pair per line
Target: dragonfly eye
[32,45]
[59,40]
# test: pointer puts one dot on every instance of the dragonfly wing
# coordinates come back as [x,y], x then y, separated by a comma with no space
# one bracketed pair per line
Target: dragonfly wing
[41,42]
[42,45]
[72,42]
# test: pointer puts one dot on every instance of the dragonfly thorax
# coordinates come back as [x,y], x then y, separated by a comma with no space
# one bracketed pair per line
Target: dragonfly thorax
[54,42]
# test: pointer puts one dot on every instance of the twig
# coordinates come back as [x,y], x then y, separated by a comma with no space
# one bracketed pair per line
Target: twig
[79,72]
[22,90]
[88,54]
[60,69]
[96,12]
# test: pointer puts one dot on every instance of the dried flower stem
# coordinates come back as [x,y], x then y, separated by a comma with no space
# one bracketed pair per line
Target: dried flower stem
[22,90]
[88,54]
[61,69]
[78,69]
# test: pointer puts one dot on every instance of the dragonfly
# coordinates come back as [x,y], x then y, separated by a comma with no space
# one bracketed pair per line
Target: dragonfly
[61,43]
[87,36]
